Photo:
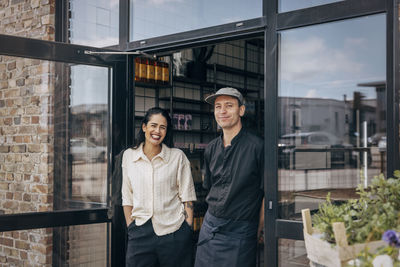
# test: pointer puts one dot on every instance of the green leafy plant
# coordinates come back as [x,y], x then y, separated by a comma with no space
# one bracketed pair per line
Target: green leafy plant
[366,218]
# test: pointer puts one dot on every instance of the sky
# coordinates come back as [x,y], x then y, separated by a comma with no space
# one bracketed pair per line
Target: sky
[89,85]
[289,5]
[329,60]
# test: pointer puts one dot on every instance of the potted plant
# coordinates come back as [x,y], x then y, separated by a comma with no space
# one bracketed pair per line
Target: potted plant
[341,232]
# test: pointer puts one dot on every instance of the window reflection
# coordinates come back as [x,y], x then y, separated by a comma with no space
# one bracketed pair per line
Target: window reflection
[290,5]
[94,23]
[88,133]
[292,253]
[162,17]
[332,111]
[53,146]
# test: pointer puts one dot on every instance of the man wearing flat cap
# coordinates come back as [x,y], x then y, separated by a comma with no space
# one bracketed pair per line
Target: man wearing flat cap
[233,172]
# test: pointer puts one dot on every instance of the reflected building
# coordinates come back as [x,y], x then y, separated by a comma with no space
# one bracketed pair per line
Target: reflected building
[380,105]
[300,114]
[337,117]
[90,121]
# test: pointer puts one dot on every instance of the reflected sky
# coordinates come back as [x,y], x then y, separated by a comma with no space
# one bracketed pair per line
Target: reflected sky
[329,60]
[89,85]
[151,18]
[94,22]
[289,5]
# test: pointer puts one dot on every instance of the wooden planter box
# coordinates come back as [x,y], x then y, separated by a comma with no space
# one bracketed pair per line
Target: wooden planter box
[326,254]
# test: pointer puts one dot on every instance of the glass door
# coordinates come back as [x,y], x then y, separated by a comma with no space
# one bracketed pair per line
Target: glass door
[56,152]
[332,106]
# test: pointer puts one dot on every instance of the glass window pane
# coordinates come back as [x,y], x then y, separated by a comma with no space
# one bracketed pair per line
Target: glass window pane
[292,253]
[94,23]
[158,17]
[88,133]
[53,141]
[332,111]
[78,245]
[290,5]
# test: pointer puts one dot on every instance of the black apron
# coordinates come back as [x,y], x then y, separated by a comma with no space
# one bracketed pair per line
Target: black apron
[226,243]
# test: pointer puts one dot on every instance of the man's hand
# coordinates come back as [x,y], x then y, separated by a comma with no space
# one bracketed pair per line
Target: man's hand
[260,235]
[260,232]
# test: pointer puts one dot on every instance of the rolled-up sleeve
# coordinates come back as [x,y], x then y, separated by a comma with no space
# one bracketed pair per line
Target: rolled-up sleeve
[185,181]
[127,193]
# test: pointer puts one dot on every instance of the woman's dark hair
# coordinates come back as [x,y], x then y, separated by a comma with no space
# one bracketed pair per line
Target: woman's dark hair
[153,111]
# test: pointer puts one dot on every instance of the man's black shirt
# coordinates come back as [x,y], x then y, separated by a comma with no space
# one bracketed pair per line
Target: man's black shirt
[234,177]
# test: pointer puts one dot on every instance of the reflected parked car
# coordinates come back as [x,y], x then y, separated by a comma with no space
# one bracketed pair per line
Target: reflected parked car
[309,138]
[316,150]
[82,149]
[375,139]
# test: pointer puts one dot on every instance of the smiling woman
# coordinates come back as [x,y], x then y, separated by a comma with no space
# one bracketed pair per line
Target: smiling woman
[155,131]
[157,195]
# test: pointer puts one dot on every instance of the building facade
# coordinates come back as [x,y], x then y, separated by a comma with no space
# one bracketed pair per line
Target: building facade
[320,79]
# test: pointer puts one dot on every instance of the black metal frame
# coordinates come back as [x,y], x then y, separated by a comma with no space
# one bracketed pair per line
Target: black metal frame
[200,37]
[74,54]
[271,134]
[392,86]
[122,104]
[35,220]
[124,24]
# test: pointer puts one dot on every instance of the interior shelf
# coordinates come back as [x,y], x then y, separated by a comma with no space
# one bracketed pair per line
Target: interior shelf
[234,70]
[211,84]
[151,85]
[182,100]
[192,111]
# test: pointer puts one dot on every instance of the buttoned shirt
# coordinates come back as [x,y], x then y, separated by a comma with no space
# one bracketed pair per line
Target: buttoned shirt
[234,177]
[156,189]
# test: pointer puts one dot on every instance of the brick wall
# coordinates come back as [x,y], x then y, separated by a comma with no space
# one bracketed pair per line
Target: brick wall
[26,132]
[28,18]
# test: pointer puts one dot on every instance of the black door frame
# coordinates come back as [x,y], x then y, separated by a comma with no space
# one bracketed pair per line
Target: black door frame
[279,228]
[119,103]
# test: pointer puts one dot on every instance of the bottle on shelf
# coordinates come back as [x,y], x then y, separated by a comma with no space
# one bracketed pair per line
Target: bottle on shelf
[158,72]
[143,70]
[137,67]
[165,73]
[150,71]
